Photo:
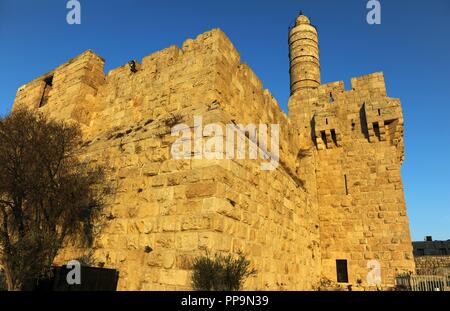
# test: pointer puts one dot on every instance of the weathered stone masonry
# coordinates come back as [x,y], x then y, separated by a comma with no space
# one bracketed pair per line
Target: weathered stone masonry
[336,195]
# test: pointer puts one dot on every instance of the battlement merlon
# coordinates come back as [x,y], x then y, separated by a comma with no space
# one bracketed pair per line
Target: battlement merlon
[86,60]
[66,88]
[370,85]
[363,89]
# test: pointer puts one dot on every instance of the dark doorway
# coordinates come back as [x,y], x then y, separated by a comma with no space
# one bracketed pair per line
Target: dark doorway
[341,271]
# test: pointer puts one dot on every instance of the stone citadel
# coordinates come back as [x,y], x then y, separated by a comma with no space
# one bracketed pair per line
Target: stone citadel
[332,210]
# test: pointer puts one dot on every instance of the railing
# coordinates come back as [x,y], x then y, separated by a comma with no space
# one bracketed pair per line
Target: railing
[425,283]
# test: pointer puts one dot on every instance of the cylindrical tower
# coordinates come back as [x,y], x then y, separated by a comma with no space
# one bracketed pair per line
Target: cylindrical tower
[304,55]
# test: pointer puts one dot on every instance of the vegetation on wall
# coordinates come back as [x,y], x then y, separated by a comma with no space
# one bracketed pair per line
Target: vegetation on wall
[47,195]
[221,272]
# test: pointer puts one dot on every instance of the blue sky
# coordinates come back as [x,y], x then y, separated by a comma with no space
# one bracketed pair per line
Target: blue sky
[411,46]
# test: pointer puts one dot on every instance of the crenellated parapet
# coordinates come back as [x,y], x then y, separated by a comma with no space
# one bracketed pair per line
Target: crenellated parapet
[335,116]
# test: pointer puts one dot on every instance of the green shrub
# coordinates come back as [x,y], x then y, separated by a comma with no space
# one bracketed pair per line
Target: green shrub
[221,272]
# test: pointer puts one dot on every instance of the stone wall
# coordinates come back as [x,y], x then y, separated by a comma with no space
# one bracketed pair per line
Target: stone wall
[164,212]
[431,265]
[336,193]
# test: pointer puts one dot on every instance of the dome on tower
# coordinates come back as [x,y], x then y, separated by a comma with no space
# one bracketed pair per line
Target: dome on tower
[302,19]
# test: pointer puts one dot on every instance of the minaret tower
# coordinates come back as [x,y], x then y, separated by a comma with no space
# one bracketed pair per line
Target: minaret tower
[304,55]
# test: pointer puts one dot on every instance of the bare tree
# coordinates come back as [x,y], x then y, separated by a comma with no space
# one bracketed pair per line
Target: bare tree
[47,196]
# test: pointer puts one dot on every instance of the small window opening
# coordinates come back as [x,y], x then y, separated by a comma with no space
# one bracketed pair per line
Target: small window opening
[353,125]
[379,112]
[346,184]
[326,121]
[341,271]
[331,97]
[45,93]
[49,81]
